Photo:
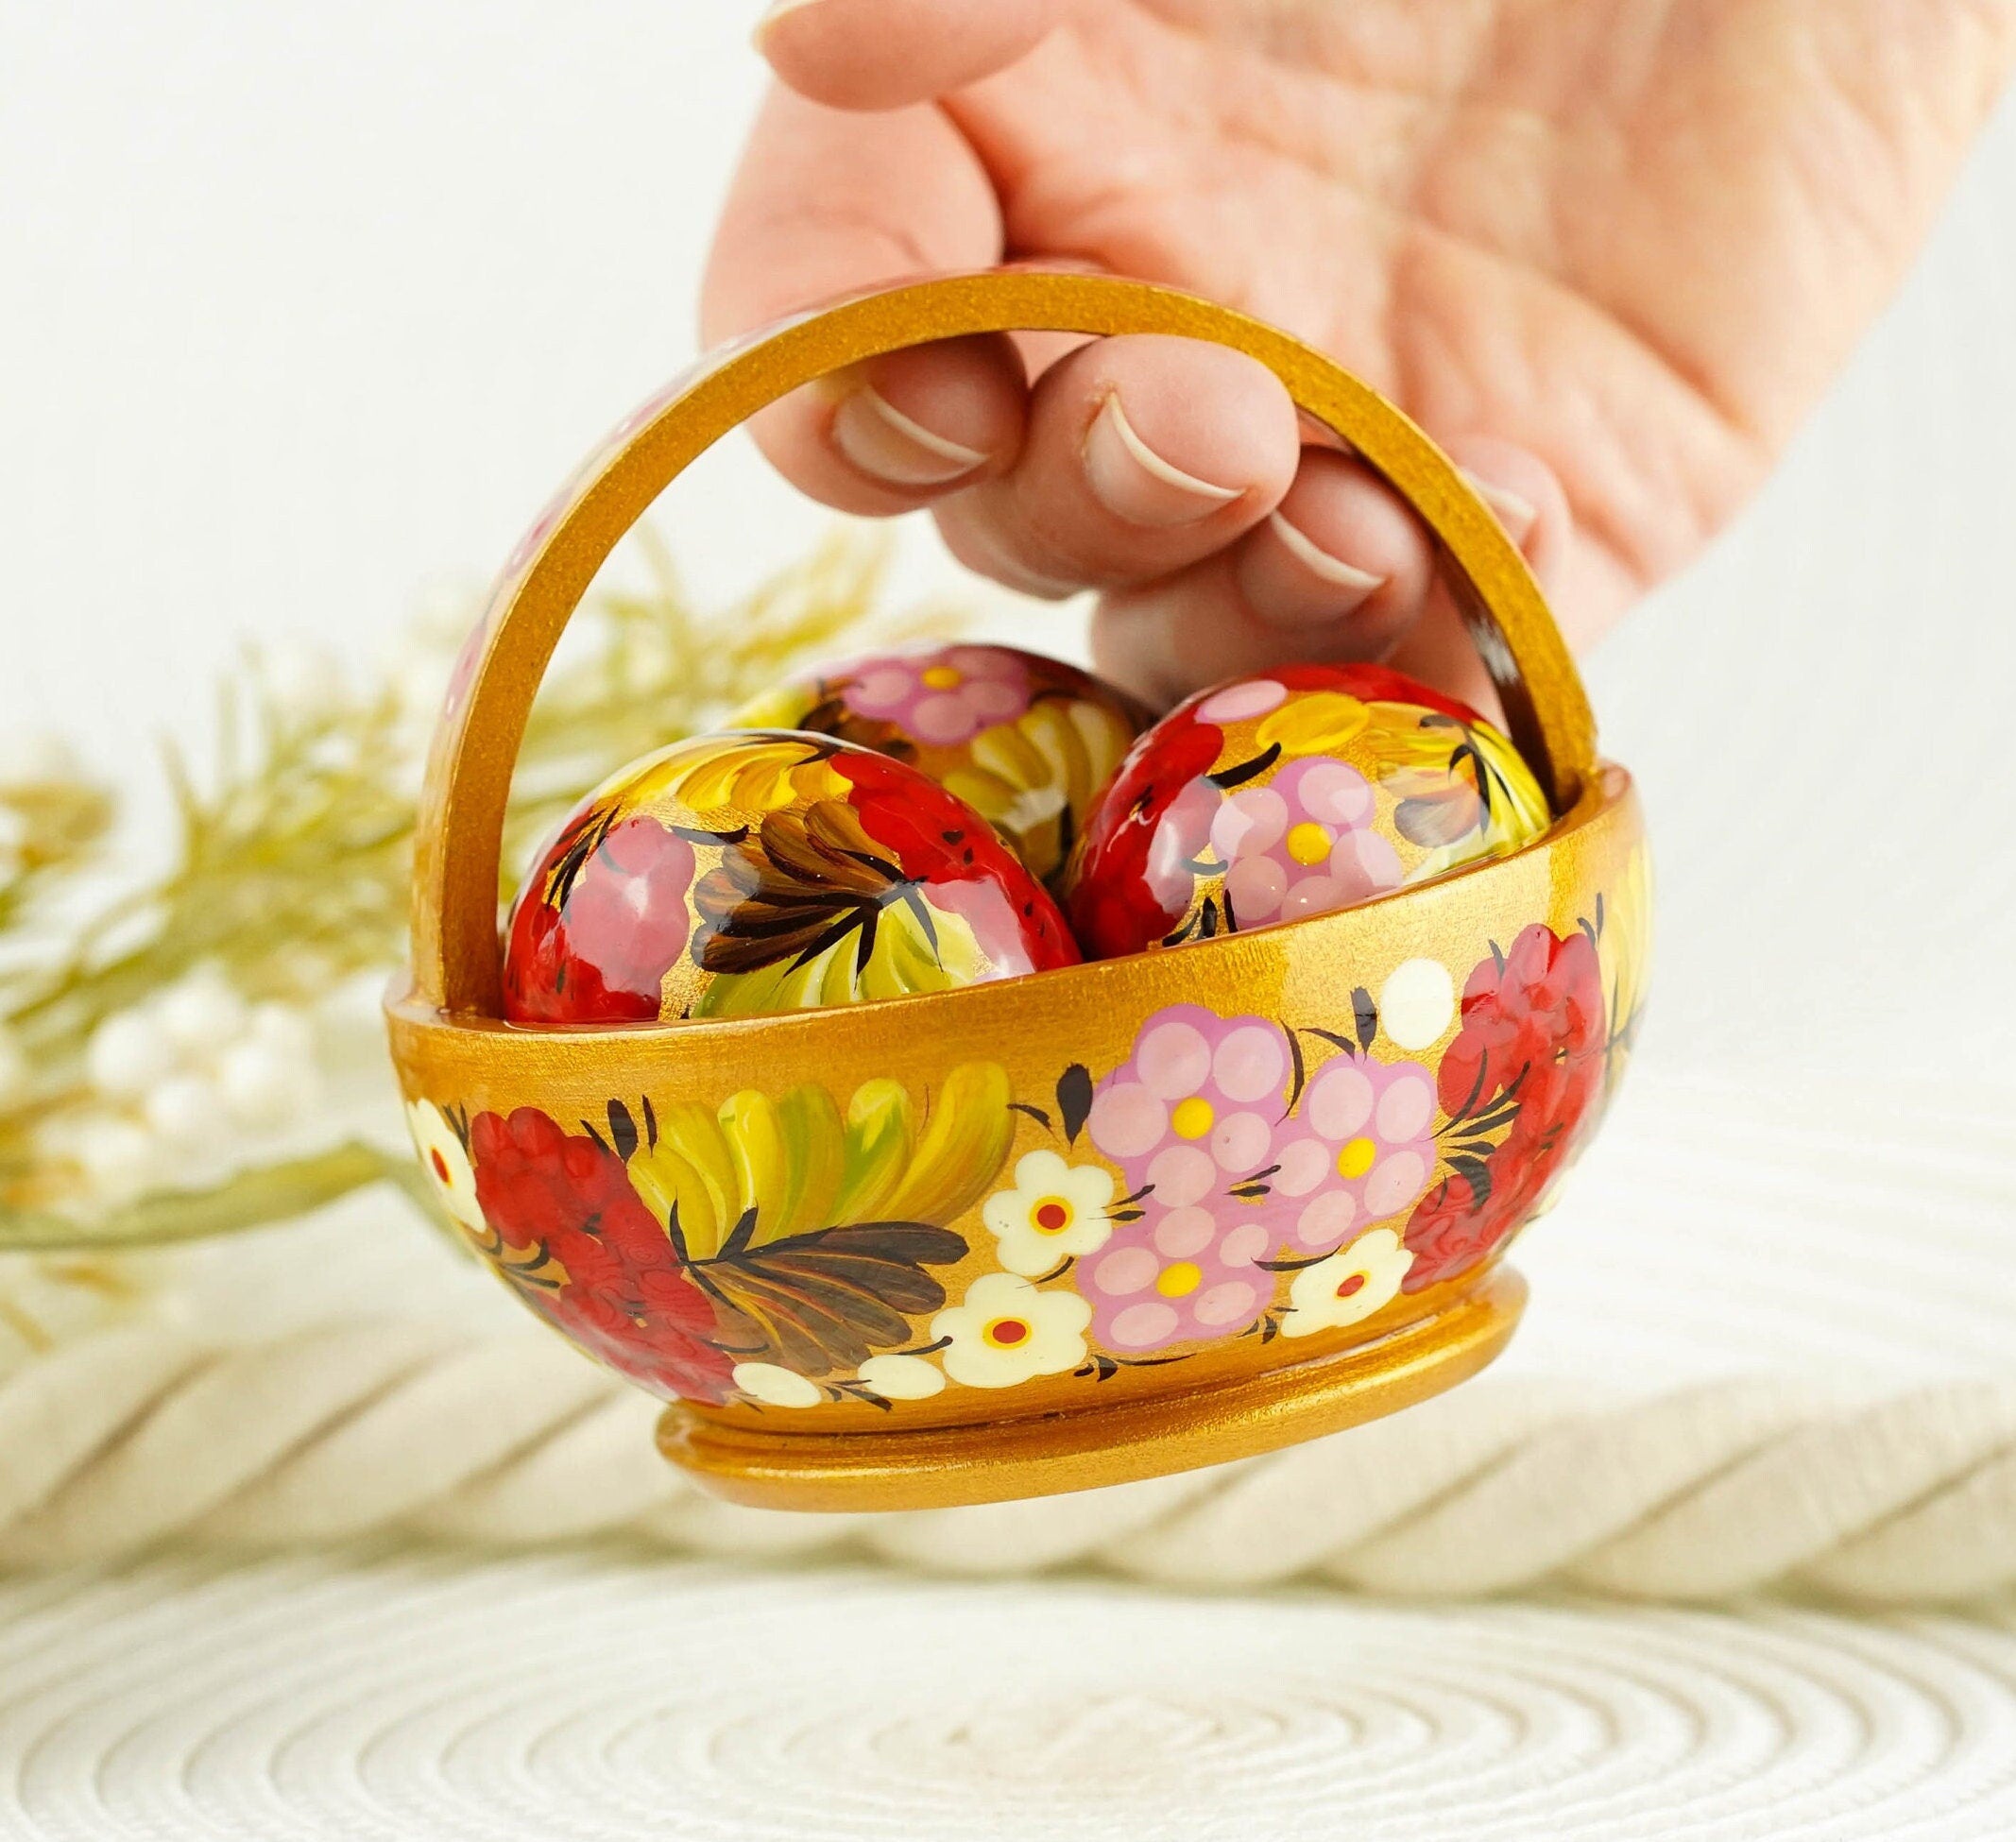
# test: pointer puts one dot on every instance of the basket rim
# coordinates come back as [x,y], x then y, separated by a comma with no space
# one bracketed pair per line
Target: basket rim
[1608,799]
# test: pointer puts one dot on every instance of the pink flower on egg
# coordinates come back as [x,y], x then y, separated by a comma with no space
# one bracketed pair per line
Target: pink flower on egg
[942,697]
[1304,843]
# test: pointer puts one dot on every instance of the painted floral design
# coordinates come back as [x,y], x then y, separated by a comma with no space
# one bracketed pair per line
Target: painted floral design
[760,871]
[1180,1274]
[1116,906]
[764,1248]
[1005,1331]
[1232,1175]
[812,911]
[892,890]
[1234,1156]
[902,1377]
[1304,843]
[1027,742]
[1519,1084]
[943,696]
[1623,931]
[587,1255]
[813,1230]
[613,922]
[1458,783]
[776,1386]
[1361,1149]
[1276,798]
[1193,1110]
[1347,1287]
[445,1159]
[1036,780]
[760,1169]
[1056,1211]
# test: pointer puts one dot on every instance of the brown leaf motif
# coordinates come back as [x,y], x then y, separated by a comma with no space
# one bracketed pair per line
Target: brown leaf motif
[802,884]
[809,1220]
[830,716]
[829,1300]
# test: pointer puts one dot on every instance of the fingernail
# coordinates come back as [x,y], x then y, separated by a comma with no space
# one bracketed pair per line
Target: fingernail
[1515,513]
[886,445]
[1357,585]
[1135,483]
[774,11]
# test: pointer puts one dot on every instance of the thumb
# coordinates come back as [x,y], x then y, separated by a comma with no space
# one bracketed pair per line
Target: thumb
[888,54]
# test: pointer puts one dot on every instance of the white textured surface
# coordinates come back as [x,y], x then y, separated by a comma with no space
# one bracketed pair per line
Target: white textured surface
[598,1697]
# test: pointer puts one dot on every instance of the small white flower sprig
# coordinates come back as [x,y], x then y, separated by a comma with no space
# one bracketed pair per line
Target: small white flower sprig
[198,1053]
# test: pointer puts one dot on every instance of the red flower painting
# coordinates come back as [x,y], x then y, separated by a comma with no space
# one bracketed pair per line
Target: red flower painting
[609,924]
[626,1297]
[1527,1060]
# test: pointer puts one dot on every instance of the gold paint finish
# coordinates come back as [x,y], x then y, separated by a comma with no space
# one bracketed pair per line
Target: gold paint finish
[1106,1441]
[1057,1432]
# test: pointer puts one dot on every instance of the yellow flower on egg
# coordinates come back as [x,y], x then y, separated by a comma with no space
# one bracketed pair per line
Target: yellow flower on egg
[1319,723]
[766,775]
[1035,778]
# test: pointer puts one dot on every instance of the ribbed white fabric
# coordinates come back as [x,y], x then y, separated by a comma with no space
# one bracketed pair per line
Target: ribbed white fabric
[1702,1494]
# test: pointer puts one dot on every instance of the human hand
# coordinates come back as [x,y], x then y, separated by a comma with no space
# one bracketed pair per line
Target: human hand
[1608,254]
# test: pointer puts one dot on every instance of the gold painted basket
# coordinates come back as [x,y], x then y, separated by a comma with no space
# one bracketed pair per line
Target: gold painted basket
[924,1233]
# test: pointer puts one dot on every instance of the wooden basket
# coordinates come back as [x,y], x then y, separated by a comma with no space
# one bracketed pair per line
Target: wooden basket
[882,1380]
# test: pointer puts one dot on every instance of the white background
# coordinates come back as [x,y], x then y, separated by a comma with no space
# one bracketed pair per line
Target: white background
[304,307]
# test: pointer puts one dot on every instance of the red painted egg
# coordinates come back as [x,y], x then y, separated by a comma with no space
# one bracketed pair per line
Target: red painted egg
[1266,799]
[1027,742]
[736,875]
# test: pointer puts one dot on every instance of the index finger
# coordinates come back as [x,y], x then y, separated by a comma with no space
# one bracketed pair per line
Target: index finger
[827,203]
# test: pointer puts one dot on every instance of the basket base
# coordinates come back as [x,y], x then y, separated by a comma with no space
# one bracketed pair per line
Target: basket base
[1118,1443]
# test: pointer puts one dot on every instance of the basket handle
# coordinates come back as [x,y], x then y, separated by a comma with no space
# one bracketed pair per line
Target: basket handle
[455,949]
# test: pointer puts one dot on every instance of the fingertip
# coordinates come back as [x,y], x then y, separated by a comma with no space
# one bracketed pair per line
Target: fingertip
[1523,494]
[898,432]
[932,419]
[1142,456]
[1173,431]
[885,53]
[1342,556]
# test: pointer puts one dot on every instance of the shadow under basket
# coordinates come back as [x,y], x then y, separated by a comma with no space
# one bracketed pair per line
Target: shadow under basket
[851,1322]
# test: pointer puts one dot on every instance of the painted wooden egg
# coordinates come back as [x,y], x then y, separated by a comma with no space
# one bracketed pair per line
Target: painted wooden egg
[1270,799]
[737,874]
[1027,742]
